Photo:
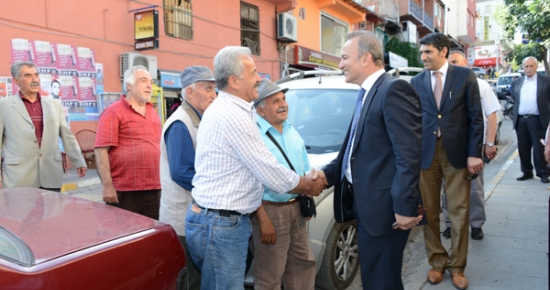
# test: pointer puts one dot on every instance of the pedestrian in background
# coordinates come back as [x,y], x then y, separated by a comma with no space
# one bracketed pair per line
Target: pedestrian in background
[376,173]
[531,94]
[231,164]
[30,128]
[281,246]
[490,106]
[177,154]
[127,147]
[452,140]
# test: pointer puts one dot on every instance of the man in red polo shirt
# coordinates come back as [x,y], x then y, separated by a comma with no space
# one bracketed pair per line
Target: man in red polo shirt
[127,148]
[30,127]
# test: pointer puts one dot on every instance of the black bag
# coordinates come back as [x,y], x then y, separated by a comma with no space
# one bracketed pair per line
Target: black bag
[307,204]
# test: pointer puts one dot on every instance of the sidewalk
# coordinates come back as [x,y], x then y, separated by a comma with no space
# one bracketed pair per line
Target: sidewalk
[513,253]
[87,187]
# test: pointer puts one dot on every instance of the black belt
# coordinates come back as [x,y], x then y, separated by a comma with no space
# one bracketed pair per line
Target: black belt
[528,116]
[221,212]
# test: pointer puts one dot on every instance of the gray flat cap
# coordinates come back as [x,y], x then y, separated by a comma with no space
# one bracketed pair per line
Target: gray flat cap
[194,74]
[266,89]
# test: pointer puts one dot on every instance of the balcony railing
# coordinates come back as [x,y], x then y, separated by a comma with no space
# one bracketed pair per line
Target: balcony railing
[415,10]
[429,21]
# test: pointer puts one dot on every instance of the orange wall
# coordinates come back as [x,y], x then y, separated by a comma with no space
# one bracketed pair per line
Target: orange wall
[107,27]
[309,29]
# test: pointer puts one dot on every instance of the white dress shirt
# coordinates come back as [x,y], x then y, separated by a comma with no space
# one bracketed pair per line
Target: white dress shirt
[528,97]
[367,85]
[489,102]
[232,162]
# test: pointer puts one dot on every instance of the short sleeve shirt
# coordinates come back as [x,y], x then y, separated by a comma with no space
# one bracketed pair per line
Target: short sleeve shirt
[134,139]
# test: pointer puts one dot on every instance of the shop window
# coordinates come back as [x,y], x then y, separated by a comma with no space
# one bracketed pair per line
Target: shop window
[250,27]
[333,35]
[178,19]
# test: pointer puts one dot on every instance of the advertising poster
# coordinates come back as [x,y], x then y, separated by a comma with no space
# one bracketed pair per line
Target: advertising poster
[87,89]
[44,56]
[5,87]
[486,56]
[85,60]
[99,78]
[66,59]
[106,99]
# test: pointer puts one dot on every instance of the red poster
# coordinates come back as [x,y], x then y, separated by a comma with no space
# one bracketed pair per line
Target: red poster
[21,50]
[86,87]
[69,88]
[85,59]
[45,55]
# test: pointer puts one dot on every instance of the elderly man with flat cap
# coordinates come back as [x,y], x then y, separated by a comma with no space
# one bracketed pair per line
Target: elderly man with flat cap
[281,248]
[177,159]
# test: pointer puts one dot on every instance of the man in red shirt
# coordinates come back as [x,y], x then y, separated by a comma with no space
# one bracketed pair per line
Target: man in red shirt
[30,128]
[127,148]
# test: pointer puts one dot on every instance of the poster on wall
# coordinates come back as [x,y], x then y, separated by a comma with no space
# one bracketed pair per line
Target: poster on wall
[106,99]
[5,87]
[67,73]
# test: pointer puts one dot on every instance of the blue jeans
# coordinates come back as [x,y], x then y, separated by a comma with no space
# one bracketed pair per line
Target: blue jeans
[218,246]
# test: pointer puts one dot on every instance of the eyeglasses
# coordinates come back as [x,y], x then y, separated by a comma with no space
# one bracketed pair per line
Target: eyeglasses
[470,176]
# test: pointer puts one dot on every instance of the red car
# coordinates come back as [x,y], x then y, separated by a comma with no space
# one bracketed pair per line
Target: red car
[50,240]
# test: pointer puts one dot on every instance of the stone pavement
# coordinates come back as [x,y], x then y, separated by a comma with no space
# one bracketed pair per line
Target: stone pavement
[512,255]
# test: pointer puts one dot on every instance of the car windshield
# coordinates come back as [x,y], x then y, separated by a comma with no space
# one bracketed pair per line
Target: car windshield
[504,81]
[322,117]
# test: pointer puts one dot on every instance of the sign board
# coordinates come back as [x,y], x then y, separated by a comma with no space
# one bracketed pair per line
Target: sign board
[146,25]
[312,58]
[397,60]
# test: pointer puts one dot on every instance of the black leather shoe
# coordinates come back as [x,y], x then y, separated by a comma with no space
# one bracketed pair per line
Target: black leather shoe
[447,233]
[477,233]
[544,179]
[525,177]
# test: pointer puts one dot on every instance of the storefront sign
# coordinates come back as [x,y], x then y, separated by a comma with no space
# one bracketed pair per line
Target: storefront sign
[310,58]
[486,55]
[398,61]
[170,80]
[146,25]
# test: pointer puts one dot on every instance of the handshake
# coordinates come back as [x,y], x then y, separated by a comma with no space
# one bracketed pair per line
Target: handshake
[313,184]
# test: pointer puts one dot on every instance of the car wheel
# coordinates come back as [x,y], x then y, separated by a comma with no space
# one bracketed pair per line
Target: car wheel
[341,257]
[481,76]
[497,136]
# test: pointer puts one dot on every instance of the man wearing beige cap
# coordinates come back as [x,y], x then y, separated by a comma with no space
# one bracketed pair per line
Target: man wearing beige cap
[177,154]
[281,246]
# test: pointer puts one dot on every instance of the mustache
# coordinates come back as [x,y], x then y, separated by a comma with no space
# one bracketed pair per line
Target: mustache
[282,110]
[35,84]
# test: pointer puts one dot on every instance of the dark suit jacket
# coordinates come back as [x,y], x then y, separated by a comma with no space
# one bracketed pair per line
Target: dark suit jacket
[460,116]
[385,160]
[543,98]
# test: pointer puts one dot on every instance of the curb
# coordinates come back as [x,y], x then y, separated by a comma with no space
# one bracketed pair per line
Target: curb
[80,184]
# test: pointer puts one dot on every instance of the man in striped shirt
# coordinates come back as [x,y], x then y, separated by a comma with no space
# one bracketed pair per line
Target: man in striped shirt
[231,164]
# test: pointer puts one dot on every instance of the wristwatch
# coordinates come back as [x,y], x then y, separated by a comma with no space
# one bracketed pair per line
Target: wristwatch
[490,144]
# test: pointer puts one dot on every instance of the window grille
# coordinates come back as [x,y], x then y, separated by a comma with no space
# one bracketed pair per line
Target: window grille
[178,19]
[250,27]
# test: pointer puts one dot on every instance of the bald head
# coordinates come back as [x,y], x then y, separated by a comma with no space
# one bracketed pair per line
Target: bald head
[457,57]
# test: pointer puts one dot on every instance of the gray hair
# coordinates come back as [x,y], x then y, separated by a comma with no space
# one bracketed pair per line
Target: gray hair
[130,74]
[184,90]
[459,52]
[228,63]
[16,67]
[368,43]
[530,57]
[261,104]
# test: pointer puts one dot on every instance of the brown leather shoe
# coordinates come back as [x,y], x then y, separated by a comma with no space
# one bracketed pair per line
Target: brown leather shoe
[460,281]
[434,276]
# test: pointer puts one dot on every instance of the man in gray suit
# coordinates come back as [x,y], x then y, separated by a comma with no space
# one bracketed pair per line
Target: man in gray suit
[30,126]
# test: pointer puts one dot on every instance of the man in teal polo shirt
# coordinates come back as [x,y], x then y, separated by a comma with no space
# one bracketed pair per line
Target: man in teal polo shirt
[281,248]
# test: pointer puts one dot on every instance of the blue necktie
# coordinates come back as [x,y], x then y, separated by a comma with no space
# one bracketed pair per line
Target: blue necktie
[356,114]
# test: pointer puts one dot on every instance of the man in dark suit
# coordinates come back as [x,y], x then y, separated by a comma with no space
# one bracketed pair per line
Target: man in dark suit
[452,140]
[376,173]
[531,116]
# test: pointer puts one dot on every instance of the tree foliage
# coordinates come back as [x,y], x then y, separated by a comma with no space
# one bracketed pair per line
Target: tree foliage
[406,50]
[531,17]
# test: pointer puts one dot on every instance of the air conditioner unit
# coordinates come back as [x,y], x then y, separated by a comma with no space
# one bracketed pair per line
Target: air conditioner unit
[130,59]
[287,28]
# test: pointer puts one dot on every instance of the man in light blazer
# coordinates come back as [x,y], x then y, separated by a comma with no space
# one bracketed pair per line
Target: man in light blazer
[376,173]
[30,126]
[452,140]
[531,94]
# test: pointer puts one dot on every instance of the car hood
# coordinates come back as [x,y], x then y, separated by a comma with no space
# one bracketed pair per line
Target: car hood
[317,161]
[54,224]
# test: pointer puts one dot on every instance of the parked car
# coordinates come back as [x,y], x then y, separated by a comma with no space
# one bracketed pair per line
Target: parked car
[503,84]
[479,72]
[50,240]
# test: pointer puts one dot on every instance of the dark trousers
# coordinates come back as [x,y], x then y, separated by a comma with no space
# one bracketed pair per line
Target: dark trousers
[194,273]
[529,132]
[381,257]
[144,202]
